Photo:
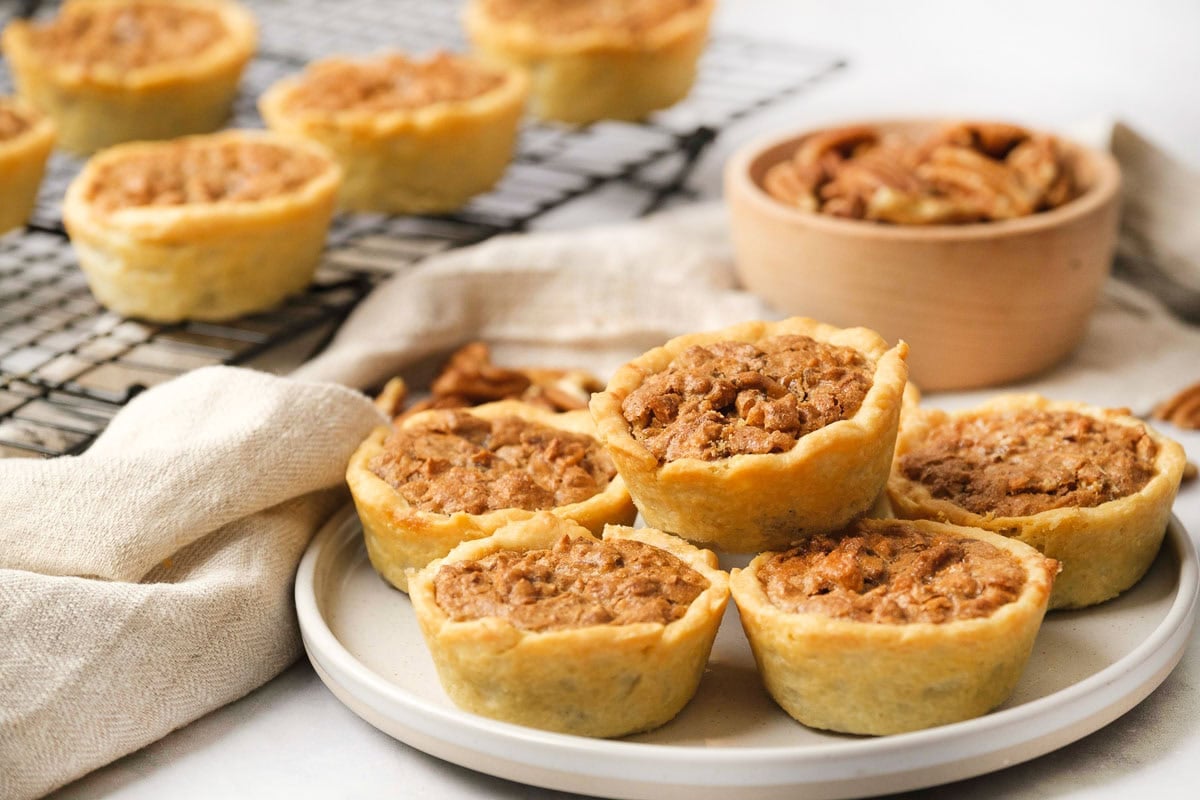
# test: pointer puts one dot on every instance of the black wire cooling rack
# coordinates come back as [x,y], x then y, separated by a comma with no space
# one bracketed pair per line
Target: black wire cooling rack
[67,365]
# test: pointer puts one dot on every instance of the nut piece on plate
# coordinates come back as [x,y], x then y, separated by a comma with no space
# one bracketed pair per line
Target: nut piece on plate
[1181,409]
[26,138]
[443,476]
[890,626]
[412,136]
[111,71]
[469,378]
[203,227]
[543,624]
[1089,487]
[749,437]
[965,172]
[606,59]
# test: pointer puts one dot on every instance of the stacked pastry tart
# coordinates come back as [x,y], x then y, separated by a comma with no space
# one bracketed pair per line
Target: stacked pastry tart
[111,71]
[26,138]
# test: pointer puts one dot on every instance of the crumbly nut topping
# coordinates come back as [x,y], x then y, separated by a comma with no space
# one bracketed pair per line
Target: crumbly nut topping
[126,35]
[579,582]
[964,173]
[731,398]
[572,16]
[1014,464]
[456,461]
[890,572]
[193,171]
[12,124]
[391,83]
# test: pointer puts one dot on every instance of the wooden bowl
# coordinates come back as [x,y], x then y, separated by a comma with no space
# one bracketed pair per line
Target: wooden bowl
[980,304]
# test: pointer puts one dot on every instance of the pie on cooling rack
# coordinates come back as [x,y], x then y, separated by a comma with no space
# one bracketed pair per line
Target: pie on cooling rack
[443,476]
[751,436]
[545,625]
[609,59]
[1090,487]
[890,626]
[26,138]
[110,71]
[202,227]
[412,135]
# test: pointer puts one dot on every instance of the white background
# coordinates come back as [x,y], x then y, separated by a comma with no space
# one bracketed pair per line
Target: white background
[1049,63]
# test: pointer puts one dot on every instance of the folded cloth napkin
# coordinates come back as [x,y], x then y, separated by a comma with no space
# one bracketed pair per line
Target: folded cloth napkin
[147,581]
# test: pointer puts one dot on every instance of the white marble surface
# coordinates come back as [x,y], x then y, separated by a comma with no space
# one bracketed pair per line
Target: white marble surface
[1048,63]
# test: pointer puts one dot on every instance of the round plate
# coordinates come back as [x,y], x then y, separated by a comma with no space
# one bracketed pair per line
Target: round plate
[1088,667]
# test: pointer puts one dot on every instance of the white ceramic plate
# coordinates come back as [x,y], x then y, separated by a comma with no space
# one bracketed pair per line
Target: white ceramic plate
[1088,667]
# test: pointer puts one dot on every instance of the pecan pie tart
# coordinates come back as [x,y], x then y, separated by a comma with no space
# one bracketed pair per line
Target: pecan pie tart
[412,135]
[111,71]
[26,138]
[202,227]
[544,624]
[890,626]
[607,59]
[751,436]
[443,476]
[1089,487]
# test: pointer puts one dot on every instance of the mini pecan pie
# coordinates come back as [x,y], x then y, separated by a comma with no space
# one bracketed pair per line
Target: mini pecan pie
[1087,486]
[965,172]
[889,626]
[111,71]
[545,625]
[443,476]
[413,136]
[752,436]
[202,227]
[26,138]
[607,59]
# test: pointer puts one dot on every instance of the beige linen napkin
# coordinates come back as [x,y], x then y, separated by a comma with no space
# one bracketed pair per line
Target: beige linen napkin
[148,581]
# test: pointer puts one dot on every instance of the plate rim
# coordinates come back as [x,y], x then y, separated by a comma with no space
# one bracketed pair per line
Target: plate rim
[778,765]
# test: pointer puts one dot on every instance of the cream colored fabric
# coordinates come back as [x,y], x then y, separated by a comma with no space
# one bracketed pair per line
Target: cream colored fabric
[148,581]
[103,648]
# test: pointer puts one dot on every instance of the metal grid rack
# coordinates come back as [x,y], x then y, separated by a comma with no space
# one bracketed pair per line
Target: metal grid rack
[67,365]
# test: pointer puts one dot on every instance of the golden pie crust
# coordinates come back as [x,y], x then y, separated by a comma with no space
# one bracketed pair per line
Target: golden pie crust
[26,140]
[612,59]
[411,136]
[168,256]
[753,502]
[147,88]
[876,678]
[598,680]
[1104,549]
[400,537]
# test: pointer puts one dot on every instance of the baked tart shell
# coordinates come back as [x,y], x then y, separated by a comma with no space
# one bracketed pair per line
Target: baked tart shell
[1103,549]
[874,678]
[203,261]
[596,680]
[592,75]
[750,503]
[427,160]
[95,109]
[400,538]
[22,164]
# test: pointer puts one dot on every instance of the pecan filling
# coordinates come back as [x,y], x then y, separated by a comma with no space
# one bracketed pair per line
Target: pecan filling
[128,35]
[197,171]
[892,573]
[390,83]
[12,124]
[457,461]
[734,398]
[1016,464]
[571,16]
[963,173]
[576,583]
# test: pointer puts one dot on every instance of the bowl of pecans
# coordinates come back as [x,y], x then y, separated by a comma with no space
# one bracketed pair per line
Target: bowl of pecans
[983,245]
